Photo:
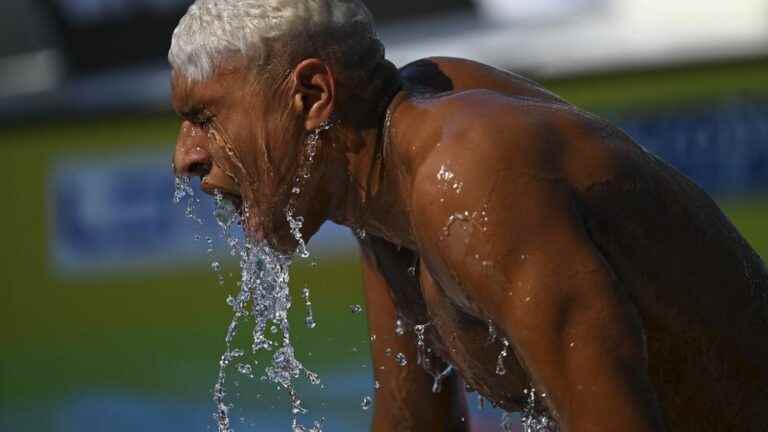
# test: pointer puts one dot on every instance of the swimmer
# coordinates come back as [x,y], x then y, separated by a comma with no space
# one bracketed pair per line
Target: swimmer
[497,218]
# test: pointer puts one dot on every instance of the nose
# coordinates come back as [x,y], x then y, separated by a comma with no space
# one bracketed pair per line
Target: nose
[191,157]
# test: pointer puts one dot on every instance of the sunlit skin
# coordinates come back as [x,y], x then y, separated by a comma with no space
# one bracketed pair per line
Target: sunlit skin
[625,294]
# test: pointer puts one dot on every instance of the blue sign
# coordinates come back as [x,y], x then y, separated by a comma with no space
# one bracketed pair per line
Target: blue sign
[109,214]
[118,214]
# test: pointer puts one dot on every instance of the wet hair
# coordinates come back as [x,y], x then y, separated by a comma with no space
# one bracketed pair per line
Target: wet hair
[274,35]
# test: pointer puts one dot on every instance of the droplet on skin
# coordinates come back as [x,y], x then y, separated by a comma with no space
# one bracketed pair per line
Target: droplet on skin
[401,359]
[399,327]
[500,369]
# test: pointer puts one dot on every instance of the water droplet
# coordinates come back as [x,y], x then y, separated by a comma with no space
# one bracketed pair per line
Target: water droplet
[437,385]
[491,332]
[444,174]
[401,359]
[500,369]
[412,271]
[313,377]
[245,369]
[366,403]
[310,322]
[355,308]
[399,327]
[216,266]
[376,385]
[421,357]
[309,318]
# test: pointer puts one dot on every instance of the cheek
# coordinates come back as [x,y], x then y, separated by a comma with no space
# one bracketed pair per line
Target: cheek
[227,155]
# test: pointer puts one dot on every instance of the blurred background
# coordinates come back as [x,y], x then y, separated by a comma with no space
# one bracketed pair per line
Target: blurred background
[111,318]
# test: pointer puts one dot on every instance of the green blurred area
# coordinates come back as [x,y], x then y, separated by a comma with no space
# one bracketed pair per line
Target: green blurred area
[162,331]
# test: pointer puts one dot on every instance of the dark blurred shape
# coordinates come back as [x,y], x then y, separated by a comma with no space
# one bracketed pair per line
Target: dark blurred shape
[25,28]
[106,34]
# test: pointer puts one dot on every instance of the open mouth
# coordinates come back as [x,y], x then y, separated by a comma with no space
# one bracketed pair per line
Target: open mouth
[217,191]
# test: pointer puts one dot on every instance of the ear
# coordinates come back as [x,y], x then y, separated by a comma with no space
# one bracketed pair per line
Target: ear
[314,92]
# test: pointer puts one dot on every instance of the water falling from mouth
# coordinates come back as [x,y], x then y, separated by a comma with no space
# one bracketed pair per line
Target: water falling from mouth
[183,190]
[264,297]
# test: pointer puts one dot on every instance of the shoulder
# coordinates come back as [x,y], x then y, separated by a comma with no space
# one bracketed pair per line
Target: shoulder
[508,154]
[484,130]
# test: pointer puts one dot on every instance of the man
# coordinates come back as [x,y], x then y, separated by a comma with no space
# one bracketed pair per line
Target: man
[522,241]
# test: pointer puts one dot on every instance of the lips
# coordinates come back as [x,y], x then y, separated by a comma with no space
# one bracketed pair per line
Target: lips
[231,196]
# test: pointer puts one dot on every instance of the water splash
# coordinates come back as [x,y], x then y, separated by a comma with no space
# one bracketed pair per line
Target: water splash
[296,223]
[264,298]
[183,189]
[533,419]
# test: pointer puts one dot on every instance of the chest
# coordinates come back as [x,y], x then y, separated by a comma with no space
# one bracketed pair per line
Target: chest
[478,351]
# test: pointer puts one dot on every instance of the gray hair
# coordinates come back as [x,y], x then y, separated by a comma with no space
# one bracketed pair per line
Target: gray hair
[342,31]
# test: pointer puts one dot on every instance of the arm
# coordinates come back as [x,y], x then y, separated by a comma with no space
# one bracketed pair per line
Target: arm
[404,399]
[559,304]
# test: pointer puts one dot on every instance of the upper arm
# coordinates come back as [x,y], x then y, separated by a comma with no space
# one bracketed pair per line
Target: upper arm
[523,258]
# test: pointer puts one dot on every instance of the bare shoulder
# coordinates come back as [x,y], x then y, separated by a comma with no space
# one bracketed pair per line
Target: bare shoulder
[505,158]
[483,133]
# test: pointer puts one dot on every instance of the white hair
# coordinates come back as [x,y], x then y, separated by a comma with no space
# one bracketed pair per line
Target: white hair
[214,29]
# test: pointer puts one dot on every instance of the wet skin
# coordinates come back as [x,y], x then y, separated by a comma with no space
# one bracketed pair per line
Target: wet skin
[625,294]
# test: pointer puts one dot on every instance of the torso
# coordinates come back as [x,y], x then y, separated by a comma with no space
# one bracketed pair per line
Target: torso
[701,291]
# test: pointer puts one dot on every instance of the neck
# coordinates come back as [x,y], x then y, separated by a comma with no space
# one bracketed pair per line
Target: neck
[374,187]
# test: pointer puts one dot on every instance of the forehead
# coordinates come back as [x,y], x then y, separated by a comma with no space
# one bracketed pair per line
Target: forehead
[187,94]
